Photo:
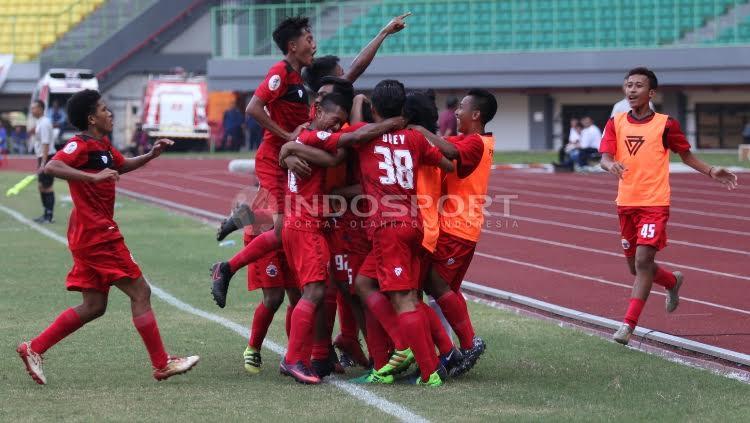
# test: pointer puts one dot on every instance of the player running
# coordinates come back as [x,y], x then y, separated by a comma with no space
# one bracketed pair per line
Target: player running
[284,96]
[100,257]
[635,148]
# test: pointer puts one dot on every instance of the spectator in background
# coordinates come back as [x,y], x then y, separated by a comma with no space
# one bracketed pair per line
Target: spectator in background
[58,117]
[591,136]
[254,133]
[140,140]
[447,119]
[18,140]
[573,142]
[746,134]
[4,138]
[233,121]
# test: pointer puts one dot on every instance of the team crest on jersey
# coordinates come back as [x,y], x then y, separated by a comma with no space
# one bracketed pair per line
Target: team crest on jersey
[323,135]
[398,271]
[300,93]
[625,244]
[272,270]
[70,147]
[634,143]
[450,261]
[274,83]
[104,159]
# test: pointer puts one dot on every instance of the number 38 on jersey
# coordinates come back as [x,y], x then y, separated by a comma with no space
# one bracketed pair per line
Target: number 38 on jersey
[398,166]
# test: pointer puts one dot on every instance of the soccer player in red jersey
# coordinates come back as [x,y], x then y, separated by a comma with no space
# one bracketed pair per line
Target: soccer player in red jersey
[302,234]
[284,96]
[635,148]
[461,218]
[389,169]
[100,257]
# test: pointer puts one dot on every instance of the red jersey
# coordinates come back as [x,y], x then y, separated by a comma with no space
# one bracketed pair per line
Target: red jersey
[92,219]
[470,152]
[286,99]
[388,166]
[306,208]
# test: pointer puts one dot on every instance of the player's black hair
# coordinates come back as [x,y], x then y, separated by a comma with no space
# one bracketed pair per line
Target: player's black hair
[451,102]
[80,106]
[289,29]
[388,98]
[320,68]
[335,100]
[341,86]
[367,112]
[420,109]
[653,82]
[485,102]
[39,103]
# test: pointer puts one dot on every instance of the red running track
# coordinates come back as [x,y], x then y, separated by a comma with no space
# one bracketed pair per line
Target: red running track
[560,243]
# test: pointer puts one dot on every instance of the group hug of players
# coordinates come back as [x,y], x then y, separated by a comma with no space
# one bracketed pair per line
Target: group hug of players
[361,209]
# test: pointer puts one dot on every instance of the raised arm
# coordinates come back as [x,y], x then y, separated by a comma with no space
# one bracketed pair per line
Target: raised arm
[364,58]
[716,173]
[449,150]
[134,163]
[356,115]
[370,131]
[312,155]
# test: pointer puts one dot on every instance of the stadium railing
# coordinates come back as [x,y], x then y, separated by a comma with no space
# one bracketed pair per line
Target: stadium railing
[470,26]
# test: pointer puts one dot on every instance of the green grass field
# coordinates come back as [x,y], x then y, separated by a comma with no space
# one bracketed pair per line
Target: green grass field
[533,370]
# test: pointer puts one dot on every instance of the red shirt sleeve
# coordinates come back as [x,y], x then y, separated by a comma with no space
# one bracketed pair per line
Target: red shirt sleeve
[674,138]
[609,139]
[320,139]
[274,86]
[430,155]
[74,154]
[117,157]
[334,139]
[470,152]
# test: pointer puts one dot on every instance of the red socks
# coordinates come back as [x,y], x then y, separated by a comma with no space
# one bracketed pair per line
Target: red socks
[257,248]
[262,319]
[382,309]
[413,327]
[347,321]
[288,321]
[65,324]
[301,336]
[149,331]
[439,337]
[664,278]
[634,312]
[455,311]
[377,340]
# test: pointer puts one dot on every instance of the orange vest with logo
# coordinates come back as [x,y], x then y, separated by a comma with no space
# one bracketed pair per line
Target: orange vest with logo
[462,213]
[640,148]
[429,186]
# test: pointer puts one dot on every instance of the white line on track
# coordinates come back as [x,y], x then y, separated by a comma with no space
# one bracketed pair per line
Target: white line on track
[611,232]
[192,177]
[612,254]
[396,410]
[173,187]
[602,281]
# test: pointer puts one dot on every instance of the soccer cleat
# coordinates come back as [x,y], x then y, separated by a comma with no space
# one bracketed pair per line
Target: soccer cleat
[398,363]
[373,377]
[323,368]
[299,372]
[622,336]
[240,217]
[436,378]
[43,220]
[471,355]
[673,295]
[253,362]
[176,366]
[454,363]
[220,277]
[351,350]
[32,361]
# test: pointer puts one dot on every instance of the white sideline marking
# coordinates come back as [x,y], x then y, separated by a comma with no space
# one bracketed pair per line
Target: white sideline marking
[646,333]
[610,253]
[173,187]
[603,281]
[398,411]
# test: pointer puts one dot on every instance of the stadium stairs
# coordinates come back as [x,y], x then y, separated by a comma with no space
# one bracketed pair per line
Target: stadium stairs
[722,25]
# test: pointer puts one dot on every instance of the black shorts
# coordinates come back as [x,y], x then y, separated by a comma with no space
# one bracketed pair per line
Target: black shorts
[45,180]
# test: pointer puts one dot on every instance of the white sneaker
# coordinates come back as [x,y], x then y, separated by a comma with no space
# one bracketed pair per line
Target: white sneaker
[176,366]
[673,295]
[622,336]
[32,361]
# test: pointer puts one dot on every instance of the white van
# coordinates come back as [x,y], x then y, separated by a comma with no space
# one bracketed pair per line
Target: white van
[59,85]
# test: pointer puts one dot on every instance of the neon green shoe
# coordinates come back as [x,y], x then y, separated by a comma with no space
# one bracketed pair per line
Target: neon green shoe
[373,377]
[434,380]
[399,363]
[253,362]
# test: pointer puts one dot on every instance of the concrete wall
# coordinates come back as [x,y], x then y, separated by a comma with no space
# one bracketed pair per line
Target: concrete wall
[195,39]
[122,98]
